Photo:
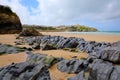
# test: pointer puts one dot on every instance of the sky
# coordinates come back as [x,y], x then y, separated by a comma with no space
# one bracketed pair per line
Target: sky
[101,14]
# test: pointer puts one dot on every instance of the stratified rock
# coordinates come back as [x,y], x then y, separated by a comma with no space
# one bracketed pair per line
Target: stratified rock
[91,46]
[102,70]
[115,75]
[8,49]
[38,58]
[111,54]
[9,21]
[71,66]
[25,71]
[116,44]
[80,76]
[36,46]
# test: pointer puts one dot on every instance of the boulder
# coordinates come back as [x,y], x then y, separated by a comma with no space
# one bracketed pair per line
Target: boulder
[9,21]
[30,32]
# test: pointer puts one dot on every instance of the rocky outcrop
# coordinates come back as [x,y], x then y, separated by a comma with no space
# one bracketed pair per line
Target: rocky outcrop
[100,64]
[99,70]
[102,70]
[9,21]
[9,49]
[72,66]
[80,76]
[34,68]
[111,54]
[30,32]
[25,71]
[38,58]
[58,42]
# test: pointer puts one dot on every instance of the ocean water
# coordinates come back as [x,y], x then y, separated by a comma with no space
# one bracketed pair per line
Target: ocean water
[101,32]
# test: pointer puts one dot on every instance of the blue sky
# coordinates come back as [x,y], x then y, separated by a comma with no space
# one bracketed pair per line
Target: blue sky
[101,14]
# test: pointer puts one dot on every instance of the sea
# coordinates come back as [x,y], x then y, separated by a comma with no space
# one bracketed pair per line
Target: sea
[100,32]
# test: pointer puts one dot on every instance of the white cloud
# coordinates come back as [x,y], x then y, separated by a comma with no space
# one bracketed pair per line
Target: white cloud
[56,12]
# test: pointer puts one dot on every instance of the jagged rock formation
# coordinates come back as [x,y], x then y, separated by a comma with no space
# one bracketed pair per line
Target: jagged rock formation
[9,21]
[58,42]
[80,76]
[34,68]
[9,49]
[38,58]
[103,70]
[72,66]
[101,64]
[25,71]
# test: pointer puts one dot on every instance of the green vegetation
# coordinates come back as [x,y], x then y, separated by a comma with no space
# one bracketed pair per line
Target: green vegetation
[78,28]
[39,27]
[81,28]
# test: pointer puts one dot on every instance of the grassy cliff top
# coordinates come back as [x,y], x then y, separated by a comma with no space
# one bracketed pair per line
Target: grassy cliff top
[79,28]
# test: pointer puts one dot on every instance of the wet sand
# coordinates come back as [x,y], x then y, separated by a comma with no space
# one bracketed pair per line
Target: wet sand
[8,59]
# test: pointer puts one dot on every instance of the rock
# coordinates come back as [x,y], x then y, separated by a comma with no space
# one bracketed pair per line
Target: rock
[71,66]
[46,60]
[9,21]
[73,42]
[115,75]
[46,47]
[25,71]
[3,49]
[36,46]
[30,32]
[116,44]
[100,70]
[111,54]
[79,76]
[9,49]
[62,42]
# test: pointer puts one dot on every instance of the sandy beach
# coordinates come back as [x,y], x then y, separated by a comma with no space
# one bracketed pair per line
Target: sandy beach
[21,57]
[88,37]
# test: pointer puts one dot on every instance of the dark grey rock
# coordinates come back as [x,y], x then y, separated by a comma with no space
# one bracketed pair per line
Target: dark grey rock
[71,66]
[115,75]
[47,47]
[25,71]
[36,46]
[100,70]
[111,54]
[79,76]
[9,49]
[38,58]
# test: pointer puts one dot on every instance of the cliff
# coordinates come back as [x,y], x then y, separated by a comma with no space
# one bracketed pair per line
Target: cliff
[9,21]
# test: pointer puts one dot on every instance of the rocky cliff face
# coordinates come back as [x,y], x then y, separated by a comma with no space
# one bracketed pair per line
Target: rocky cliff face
[9,21]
